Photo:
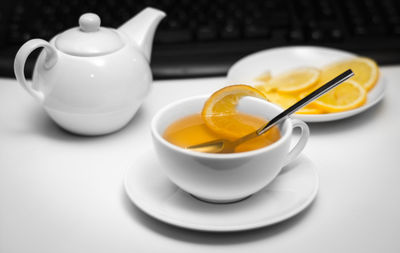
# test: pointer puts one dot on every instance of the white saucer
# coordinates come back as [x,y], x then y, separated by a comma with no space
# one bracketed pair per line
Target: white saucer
[292,191]
[281,59]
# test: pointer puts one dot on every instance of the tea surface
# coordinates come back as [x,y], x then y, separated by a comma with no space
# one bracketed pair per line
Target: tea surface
[192,130]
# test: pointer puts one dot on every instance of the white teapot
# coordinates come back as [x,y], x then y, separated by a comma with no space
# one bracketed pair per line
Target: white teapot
[91,80]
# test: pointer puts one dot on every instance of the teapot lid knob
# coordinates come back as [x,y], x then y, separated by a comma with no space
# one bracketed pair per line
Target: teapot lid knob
[89,39]
[89,22]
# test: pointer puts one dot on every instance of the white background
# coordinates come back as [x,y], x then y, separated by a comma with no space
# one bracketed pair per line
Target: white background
[63,193]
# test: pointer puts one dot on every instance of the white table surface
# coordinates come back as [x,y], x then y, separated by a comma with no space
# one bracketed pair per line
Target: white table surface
[63,193]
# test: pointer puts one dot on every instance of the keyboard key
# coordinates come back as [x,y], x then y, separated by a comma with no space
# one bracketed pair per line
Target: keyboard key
[296,35]
[256,31]
[206,33]
[336,34]
[173,24]
[230,31]
[317,35]
[360,30]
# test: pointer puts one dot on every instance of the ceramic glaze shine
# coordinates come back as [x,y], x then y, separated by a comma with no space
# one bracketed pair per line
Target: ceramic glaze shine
[192,130]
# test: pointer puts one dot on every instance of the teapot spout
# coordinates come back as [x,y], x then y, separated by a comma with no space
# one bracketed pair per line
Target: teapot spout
[141,29]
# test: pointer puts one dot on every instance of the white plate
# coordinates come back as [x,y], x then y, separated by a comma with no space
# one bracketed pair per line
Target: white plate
[149,189]
[281,59]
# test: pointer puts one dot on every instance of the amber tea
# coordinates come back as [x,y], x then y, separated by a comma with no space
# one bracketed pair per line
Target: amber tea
[192,130]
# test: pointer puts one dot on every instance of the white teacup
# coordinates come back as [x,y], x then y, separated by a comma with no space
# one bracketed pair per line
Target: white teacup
[224,178]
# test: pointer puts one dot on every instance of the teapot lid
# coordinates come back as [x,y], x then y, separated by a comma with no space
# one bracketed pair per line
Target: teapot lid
[89,39]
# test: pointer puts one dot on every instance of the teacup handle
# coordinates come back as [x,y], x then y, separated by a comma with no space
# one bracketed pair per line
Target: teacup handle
[301,143]
[20,60]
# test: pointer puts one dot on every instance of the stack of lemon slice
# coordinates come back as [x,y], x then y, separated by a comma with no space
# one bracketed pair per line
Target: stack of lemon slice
[287,88]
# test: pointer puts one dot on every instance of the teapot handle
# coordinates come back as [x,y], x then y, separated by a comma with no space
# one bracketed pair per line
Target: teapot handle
[20,59]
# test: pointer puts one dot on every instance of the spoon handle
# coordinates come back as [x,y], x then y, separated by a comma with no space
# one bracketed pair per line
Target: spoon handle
[310,97]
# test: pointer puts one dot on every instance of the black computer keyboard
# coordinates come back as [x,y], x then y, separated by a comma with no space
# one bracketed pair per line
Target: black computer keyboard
[205,37]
